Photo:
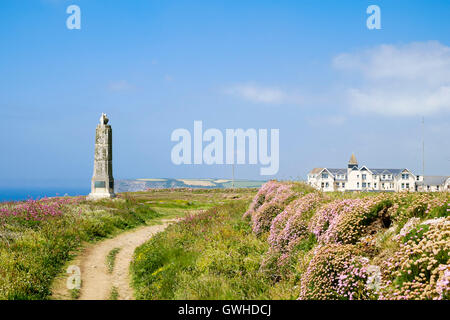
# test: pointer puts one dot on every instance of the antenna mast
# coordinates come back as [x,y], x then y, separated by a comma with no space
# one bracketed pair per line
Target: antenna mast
[234,155]
[423,148]
[233,177]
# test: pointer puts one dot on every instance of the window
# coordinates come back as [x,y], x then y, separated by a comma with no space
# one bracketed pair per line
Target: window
[418,178]
[437,188]
[343,185]
[326,185]
[357,184]
[405,176]
[323,184]
[407,186]
[324,175]
[382,185]
[364,176]
[368,184]
[364,184]
[403,186]
[337,184]
[375,185]
[384,176]
[357,175]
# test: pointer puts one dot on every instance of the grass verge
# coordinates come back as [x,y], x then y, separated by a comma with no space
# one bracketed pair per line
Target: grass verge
[111,259]
[212,255]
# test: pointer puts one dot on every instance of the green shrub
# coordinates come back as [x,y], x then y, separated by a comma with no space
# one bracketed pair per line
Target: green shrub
[321,279]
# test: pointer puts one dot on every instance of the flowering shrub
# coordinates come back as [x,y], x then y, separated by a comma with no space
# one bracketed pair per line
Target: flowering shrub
[409,225]
[358,280]
[37,210]
[443,282]
[291,225]
[404,233]
[320,222]
[354,215]
[321,279]
[423,205]
[260,197]
[420,268]
[268,203]
[262,219]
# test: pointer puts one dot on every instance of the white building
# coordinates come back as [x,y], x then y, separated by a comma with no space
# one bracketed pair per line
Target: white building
[433,183]
[355,178]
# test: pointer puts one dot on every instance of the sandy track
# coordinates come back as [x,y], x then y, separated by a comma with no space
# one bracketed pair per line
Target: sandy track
[97,282]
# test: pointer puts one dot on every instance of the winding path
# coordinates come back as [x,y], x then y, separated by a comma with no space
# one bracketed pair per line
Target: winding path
[97,282]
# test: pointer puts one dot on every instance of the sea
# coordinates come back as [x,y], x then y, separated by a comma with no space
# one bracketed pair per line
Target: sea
[19,194]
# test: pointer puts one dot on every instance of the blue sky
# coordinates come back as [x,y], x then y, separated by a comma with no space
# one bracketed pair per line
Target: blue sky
[309,68]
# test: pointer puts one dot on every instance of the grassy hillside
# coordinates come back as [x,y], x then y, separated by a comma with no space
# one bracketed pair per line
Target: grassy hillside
[293,242]
[144,184]
[38,237]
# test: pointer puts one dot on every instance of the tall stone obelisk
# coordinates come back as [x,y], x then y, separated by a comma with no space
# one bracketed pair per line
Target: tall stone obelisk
[102,185]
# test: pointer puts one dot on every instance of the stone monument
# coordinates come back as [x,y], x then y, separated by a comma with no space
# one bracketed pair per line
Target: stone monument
[102,185]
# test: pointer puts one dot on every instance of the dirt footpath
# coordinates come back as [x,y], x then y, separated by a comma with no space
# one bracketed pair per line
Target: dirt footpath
[97,282]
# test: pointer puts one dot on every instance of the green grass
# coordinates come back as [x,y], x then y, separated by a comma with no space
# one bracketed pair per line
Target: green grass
[213,255]
[75,294]
[114,294]
[111,259]
[242,184]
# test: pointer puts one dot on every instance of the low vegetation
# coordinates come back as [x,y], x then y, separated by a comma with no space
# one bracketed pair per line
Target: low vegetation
[212,255]
[293,242]
[111,259]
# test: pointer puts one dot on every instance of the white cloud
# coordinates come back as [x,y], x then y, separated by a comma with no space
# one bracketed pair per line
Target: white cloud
[259,94]
[411,79]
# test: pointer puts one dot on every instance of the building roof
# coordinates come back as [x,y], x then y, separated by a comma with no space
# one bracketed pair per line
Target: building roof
[387,171]
[433,180]
[352,159]
[337,171]
[316,170]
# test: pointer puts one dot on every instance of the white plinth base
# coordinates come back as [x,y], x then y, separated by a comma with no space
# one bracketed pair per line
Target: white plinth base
[98,196]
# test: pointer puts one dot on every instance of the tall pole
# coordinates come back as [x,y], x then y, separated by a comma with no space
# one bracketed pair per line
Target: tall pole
[234,157]
[423,148]
[233,177]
